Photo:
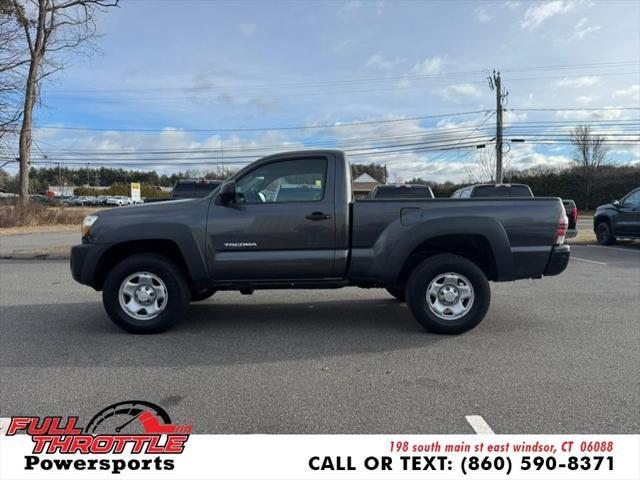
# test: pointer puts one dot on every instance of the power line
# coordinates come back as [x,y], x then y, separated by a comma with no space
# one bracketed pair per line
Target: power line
[315,92]
[260,129]
[338,82]
[572,109]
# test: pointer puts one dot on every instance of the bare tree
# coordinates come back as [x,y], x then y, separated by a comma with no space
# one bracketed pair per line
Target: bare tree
[12,60]
[589,157]
[482,168]
[49,27]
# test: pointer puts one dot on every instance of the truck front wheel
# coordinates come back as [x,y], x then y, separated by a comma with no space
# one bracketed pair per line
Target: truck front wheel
[448,294]
[145,294]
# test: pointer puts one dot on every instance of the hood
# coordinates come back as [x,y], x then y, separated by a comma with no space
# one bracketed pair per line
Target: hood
[607,206]
[140,221]
[143,209]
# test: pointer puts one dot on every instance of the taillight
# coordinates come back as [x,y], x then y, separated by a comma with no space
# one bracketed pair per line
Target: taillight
[561,231]
[574,215]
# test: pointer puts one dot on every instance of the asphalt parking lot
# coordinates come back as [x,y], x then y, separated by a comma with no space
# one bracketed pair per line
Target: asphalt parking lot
[558,355]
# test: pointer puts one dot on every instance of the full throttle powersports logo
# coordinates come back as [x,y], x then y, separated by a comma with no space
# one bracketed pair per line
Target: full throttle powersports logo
[132,427]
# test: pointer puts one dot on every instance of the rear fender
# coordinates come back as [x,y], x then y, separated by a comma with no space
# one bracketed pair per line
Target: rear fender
[397,242]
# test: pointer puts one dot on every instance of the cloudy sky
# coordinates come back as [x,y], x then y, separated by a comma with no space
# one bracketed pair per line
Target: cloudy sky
[193,83]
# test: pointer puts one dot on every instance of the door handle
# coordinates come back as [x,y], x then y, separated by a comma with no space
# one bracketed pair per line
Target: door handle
[316,216]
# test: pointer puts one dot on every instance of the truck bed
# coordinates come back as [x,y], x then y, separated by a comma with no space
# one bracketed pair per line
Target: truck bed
[517,232]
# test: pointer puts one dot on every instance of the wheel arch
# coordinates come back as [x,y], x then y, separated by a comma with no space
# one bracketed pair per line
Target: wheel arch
[474,247]
[118,252]
[481,240]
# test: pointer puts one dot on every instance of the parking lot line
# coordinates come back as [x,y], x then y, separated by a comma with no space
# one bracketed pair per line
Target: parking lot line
[585,260]
[621,249]
[4,425]
[479,425]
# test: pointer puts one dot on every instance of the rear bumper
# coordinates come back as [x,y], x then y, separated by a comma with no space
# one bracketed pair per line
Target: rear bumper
[84,263]
[558,260]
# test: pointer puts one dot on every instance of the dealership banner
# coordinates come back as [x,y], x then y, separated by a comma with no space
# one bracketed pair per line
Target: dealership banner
[61,450]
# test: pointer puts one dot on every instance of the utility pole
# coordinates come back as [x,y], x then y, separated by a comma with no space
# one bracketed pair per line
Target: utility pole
[60,178]
[495,83]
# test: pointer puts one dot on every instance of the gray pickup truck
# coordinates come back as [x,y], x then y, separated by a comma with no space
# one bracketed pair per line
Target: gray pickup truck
[289,221]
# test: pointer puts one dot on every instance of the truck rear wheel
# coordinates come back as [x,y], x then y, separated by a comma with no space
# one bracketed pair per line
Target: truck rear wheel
[448,294]
[145,294]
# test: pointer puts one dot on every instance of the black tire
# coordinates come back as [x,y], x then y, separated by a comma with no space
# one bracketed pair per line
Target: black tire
[604,235]
[200,296]
[177,292]
[397,292]
[429,270]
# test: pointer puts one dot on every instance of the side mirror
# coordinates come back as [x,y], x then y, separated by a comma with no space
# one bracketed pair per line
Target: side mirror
[616,203]
[227,193]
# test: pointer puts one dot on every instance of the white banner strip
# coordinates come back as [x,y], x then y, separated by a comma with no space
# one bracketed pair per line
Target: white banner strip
[335,457]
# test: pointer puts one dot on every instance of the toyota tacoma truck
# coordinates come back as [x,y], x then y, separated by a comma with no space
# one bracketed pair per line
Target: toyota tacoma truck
[289,221]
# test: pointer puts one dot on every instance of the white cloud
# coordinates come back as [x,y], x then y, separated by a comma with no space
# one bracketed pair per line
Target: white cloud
[189,156]
[584,99]
[577,82]
[524,156]
[609,113]
[512,4]
[509,117]
[247,29]
[377,61]
[482,14]
[581,30]
[351,6]
[536,14]
[632,93]
[460,92]
[428,66]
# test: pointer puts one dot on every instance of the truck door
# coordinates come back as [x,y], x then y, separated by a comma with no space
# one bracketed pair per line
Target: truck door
[627,220]
[282,225]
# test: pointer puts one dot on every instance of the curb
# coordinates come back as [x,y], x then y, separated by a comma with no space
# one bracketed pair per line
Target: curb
[34,255]
[31,256]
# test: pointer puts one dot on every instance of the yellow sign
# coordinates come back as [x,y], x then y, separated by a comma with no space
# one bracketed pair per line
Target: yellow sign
[135,192]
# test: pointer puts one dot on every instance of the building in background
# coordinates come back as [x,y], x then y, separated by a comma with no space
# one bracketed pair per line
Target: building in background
[363,185]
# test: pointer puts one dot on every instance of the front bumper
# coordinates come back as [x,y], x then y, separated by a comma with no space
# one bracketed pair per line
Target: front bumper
[558,260]
[84,263]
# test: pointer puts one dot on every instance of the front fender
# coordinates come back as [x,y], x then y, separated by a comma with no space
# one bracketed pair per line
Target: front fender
[183,236]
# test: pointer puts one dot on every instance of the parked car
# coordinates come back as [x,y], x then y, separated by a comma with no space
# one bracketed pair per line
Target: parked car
[36,197]
[618,219]
[571,210]
[118,200]
[101,199]
[401,190]
[439,254]
[193,188]
[517,190]
[494,190]
[75,201]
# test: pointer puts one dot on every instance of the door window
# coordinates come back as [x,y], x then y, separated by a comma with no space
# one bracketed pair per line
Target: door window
[633,199]
[284,181]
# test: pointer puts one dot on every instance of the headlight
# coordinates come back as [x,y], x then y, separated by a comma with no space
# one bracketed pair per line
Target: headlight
[87,223]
